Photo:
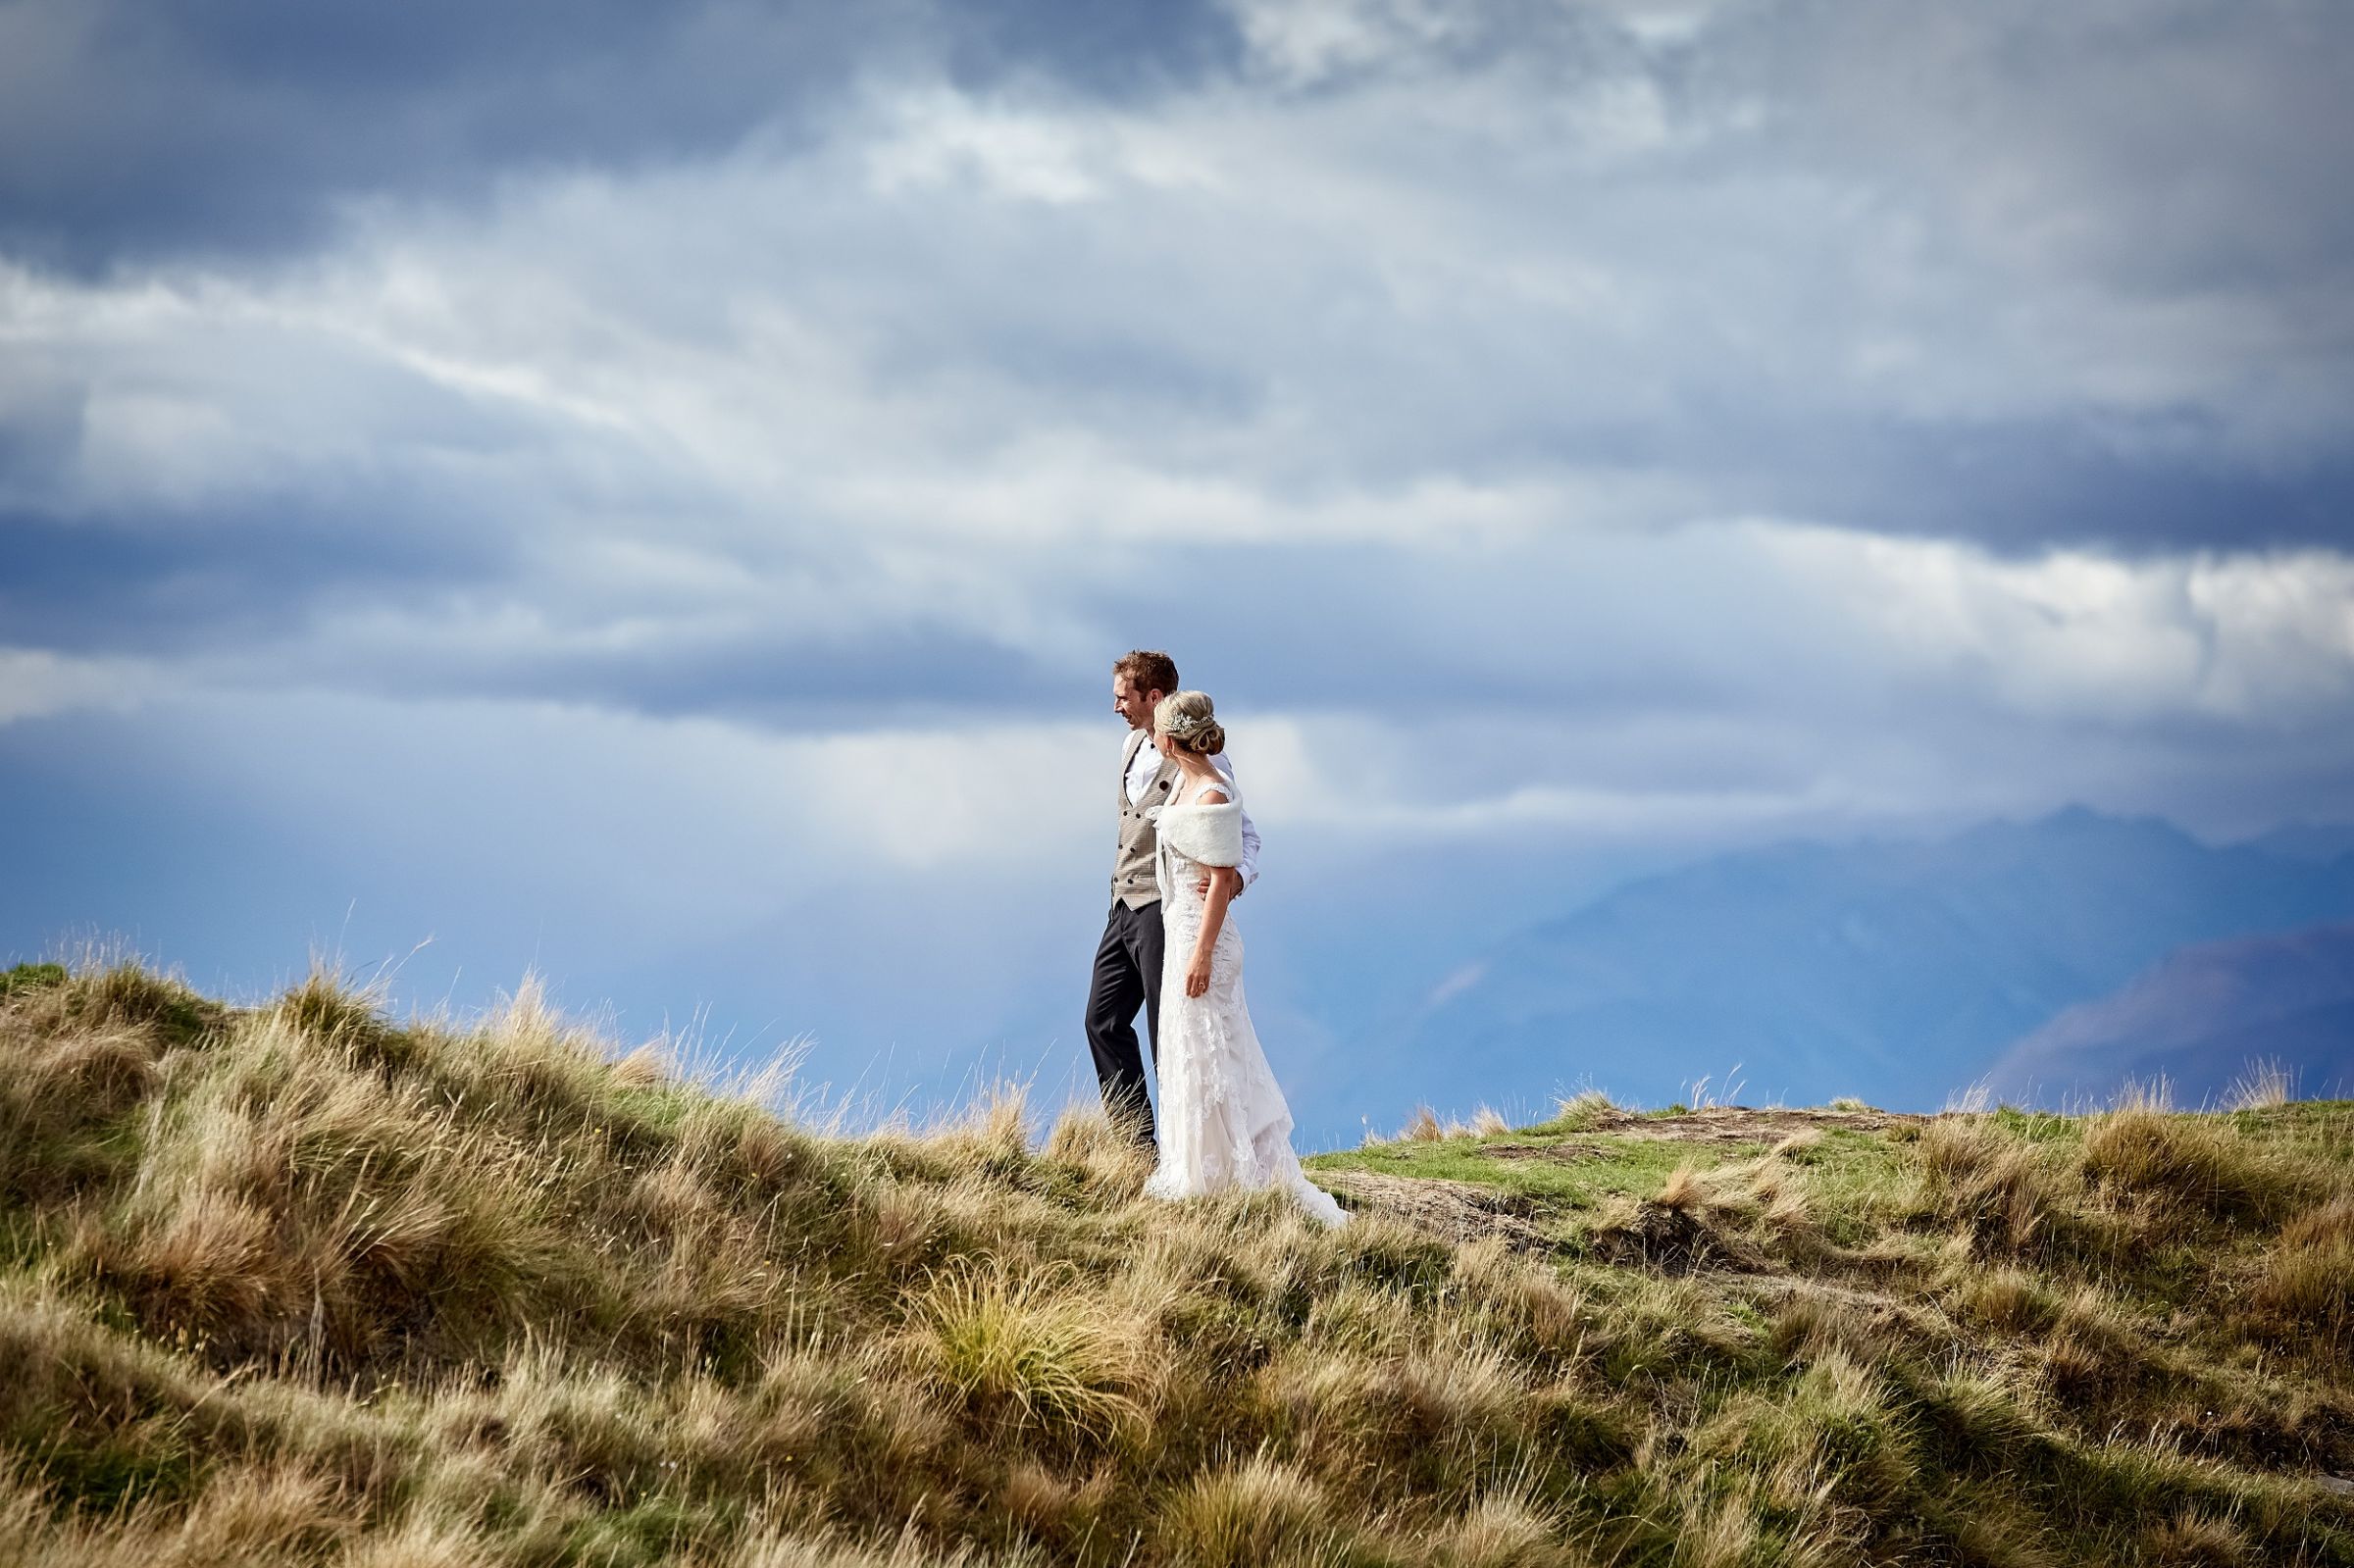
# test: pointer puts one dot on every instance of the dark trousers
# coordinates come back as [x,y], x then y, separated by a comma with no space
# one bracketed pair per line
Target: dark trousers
[1127,973]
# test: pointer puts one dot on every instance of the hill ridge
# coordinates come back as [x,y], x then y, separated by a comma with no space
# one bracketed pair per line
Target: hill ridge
[297,1283]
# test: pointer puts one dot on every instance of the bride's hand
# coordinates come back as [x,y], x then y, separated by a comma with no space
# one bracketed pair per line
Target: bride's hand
[1196,974]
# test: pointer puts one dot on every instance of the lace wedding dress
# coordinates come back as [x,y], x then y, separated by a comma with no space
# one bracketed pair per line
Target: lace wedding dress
[1222,1121]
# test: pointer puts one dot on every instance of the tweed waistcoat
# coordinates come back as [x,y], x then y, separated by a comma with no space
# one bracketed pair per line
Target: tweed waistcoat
[1132,881]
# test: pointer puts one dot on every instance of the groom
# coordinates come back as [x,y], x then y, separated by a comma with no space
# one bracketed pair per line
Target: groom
[1128,959]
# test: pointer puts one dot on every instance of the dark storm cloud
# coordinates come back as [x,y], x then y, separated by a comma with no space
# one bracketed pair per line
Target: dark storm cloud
[2014,484]
[1335,627]
[774,679]
[222,584]
[131,128]
[1116,48]
[2019,487]
[264,594]
[2178,146]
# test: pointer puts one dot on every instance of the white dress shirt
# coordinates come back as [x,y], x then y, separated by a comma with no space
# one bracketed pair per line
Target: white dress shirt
[1147,763]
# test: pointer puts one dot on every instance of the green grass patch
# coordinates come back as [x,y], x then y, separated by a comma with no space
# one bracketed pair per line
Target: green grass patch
[126,993]
[1855,1180]
[2038,1127]
[31,977]
[1571,1172]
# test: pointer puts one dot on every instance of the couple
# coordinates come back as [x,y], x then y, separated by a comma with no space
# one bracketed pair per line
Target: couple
[1186,851]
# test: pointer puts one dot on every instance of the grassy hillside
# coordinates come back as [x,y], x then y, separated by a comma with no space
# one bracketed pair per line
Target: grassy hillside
[293,1284]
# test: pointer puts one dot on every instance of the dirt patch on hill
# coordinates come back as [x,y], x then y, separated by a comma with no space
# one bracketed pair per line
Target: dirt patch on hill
[1459,1211]
[1636,1233]
[1673,1240]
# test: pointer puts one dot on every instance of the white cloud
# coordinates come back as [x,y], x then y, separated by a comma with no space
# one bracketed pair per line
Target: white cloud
[36,683]
[2265,637]
[942,136]
[1302,41]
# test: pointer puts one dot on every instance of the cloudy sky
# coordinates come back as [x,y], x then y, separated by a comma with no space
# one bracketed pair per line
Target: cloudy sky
[653,492]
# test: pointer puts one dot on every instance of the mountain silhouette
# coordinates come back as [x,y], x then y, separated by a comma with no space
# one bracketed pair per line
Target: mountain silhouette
[1897,972]
[2199,1018]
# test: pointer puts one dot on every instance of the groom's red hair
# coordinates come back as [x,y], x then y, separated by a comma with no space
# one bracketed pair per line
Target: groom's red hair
[1148,669]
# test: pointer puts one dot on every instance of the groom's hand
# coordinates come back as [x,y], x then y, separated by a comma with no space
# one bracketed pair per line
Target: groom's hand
[1203,888]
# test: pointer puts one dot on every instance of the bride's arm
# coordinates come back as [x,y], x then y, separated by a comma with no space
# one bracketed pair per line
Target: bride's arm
[1218,890]
[1223,881]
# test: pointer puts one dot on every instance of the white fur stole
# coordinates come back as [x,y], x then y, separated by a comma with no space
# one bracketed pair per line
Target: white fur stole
[1211,836]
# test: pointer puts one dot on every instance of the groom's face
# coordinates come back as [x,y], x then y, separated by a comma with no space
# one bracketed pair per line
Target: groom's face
[1133,705]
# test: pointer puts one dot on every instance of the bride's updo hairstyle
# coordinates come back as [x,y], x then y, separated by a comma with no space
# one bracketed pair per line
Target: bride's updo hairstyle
[1187,718]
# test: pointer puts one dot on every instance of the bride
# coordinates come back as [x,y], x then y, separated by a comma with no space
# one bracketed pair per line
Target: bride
[1223,1123]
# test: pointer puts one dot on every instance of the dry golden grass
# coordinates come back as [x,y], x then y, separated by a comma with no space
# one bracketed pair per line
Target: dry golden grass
[1423,1126]
[1256,1514]
[2308,1289]
[1581,1109]
[2326,1225]
[2193,1539]
[2189,1162]
[1037,1350]
[2010,1197]
[294,1285]
[1682,1190]
[1503,1530]
[2007,1299]
[2264,1085]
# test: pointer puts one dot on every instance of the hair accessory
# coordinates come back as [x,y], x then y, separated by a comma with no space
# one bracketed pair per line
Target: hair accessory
[1185,724]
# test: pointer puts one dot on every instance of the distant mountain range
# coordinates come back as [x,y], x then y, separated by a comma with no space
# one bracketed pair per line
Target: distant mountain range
[2308,840]
[1897,972]
[2198,1018]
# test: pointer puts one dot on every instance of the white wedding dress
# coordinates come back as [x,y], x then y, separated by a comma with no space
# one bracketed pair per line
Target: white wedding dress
[1222,1121]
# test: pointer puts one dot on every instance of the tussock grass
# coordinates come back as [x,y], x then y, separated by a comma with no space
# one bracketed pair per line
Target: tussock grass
[1580,1112]
[2264,1085]
[1503,1530]
[295,1284]
[1040,1351]
[1257,1514]
[2009,1196]
[2191,1162]
[2303,1286]
[1683,1192]
[2006,1299]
